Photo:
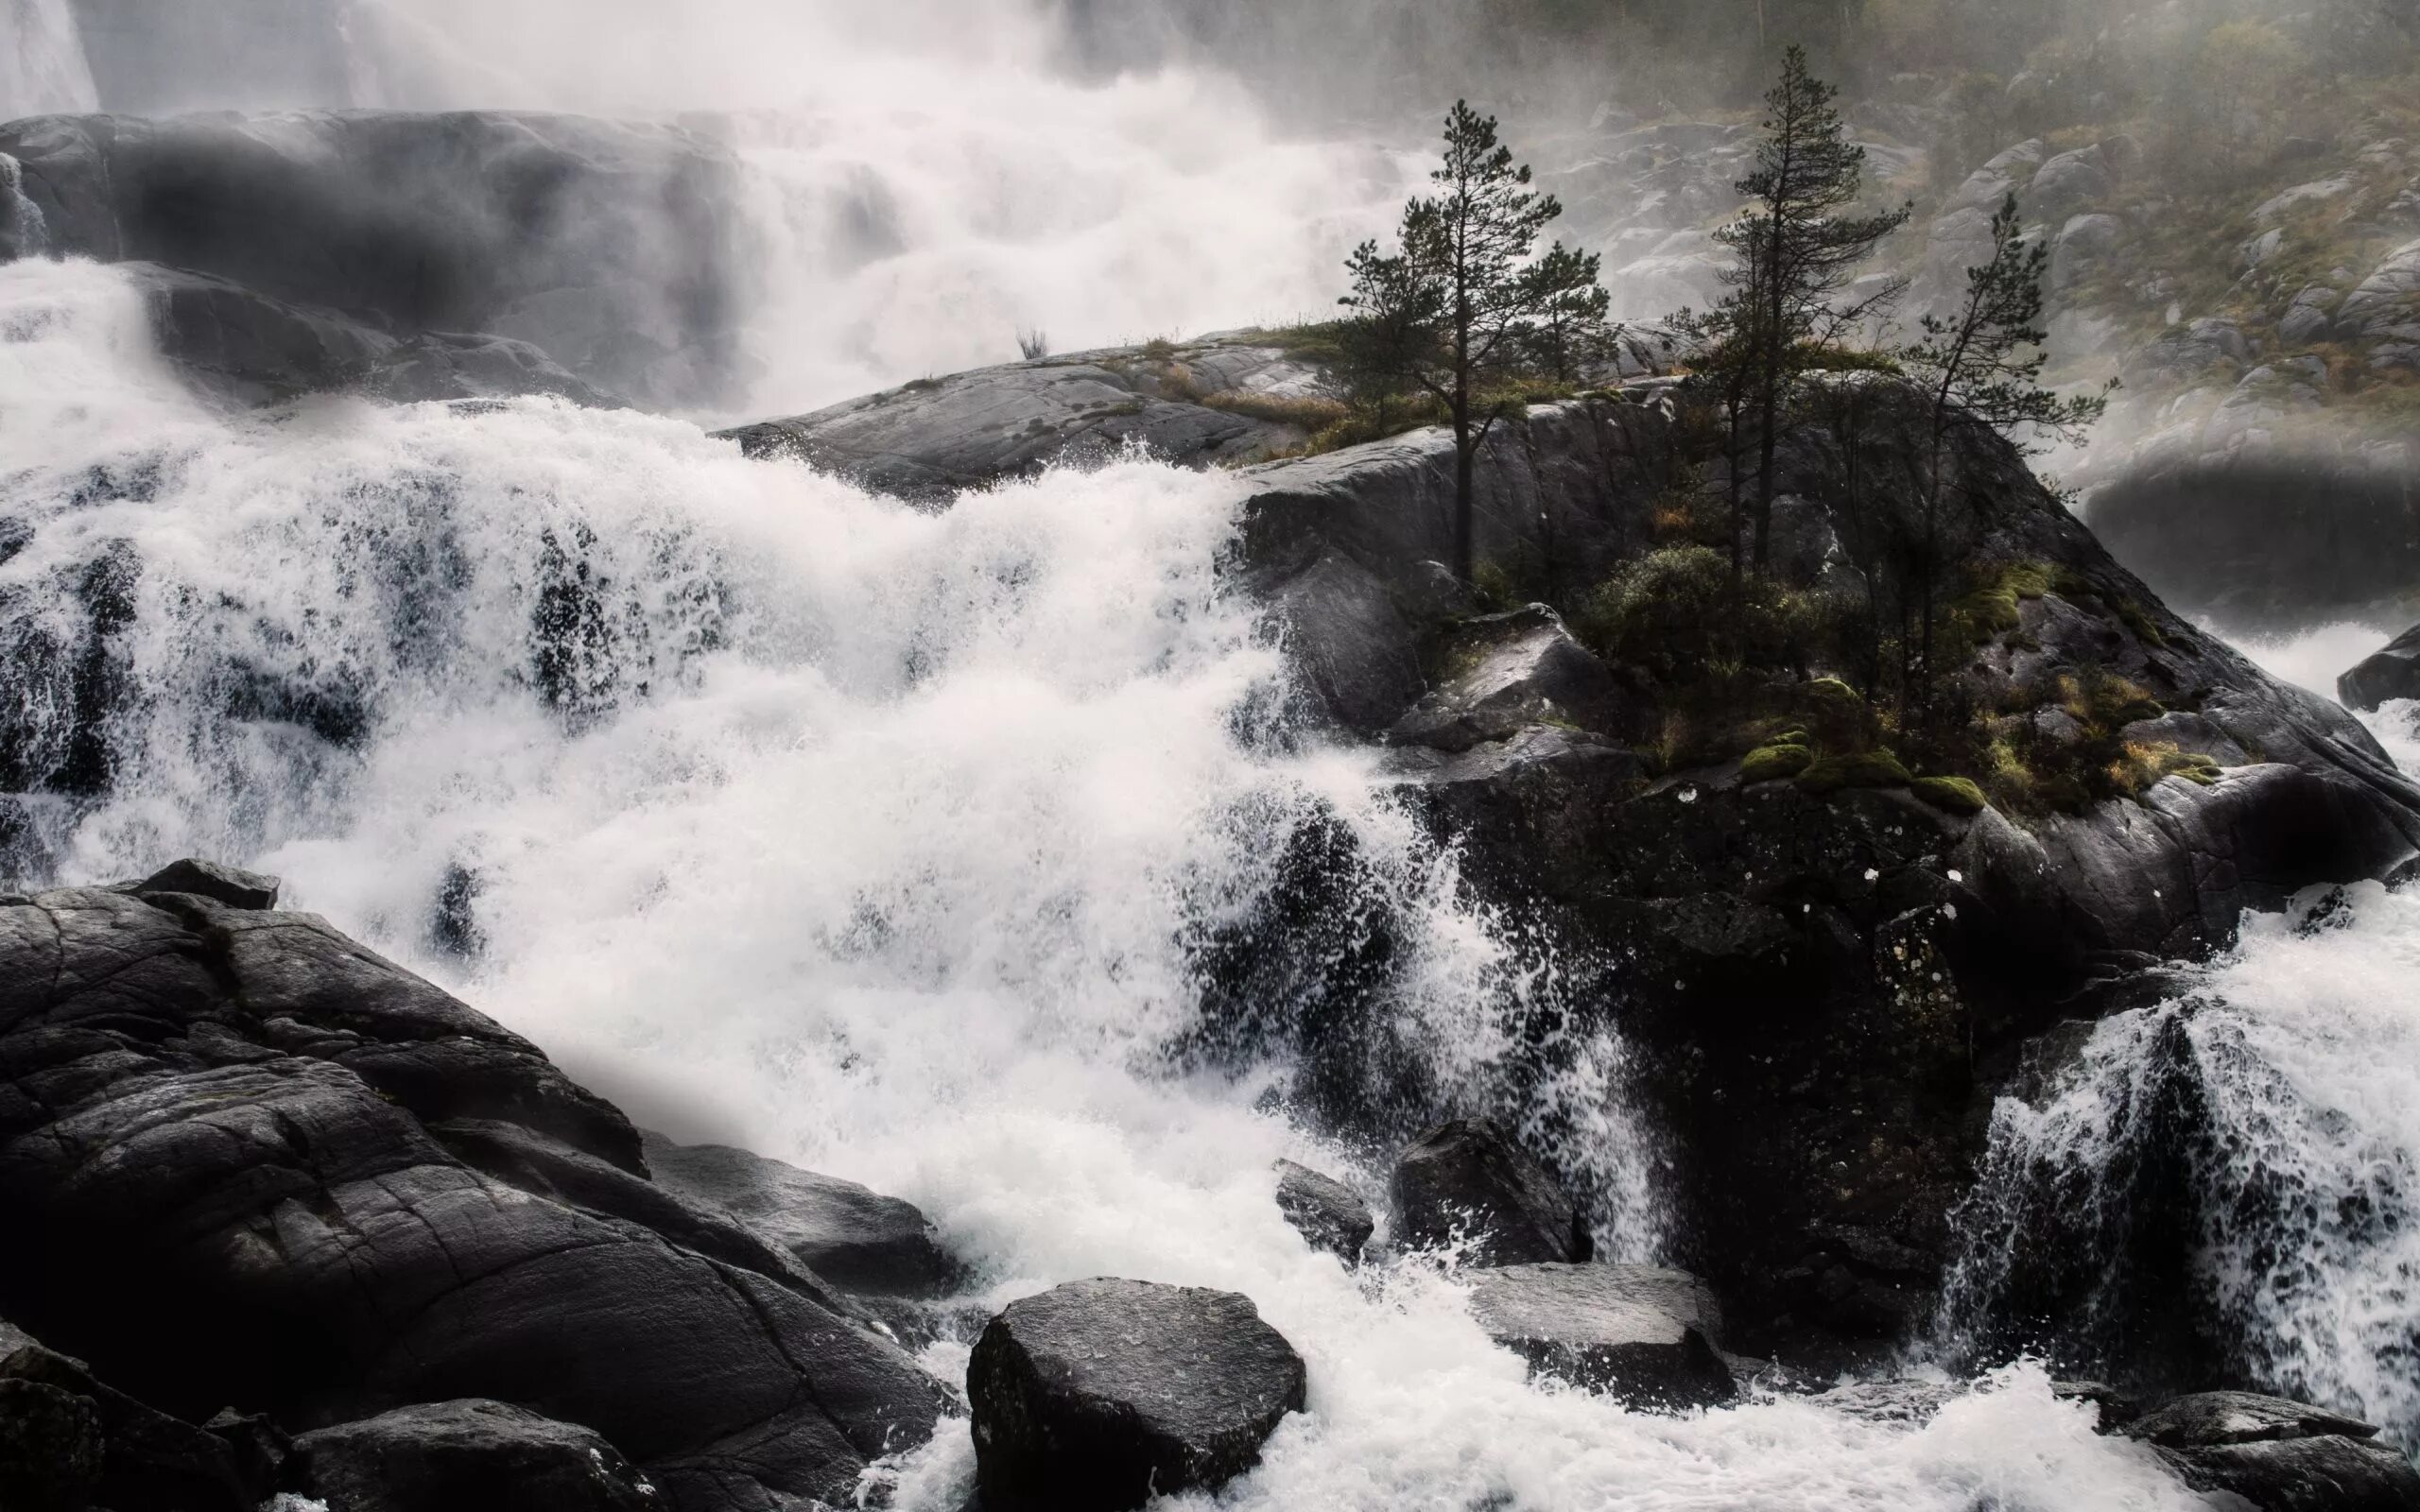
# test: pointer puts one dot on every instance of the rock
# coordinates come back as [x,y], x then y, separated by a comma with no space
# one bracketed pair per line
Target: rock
[134,1456]
[1611,1328]
[2279,1456]
[1221,399]
[2082,245]
[23,232]
[222,1121]
[1103,1394]
[2067,184]
[2240,1417]
[468,1456]
[605,243]
[1504,673]
[1469,1180]
[50,1448]
[2394,673]
[247,890]
[1326,1213]
[851,1236]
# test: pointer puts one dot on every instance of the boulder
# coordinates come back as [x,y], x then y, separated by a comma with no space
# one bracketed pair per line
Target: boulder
[1504,673]
[1469,1180]
[849,1235]
[231,885]
[605,243]
[1100,1395]
[1328,1213]
[467,1456]
[1638,1334]
[225,1123]
[2393,673]
[67,1439]
[2280,1455]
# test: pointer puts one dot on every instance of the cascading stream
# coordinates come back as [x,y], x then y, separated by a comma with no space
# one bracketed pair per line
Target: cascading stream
[882,840]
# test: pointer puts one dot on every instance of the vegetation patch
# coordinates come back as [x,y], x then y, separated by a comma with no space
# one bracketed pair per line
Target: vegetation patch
[1953,795]
[1770,764]
[1879,768]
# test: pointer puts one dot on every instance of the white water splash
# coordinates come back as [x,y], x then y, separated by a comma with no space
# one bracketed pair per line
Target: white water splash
[888,870]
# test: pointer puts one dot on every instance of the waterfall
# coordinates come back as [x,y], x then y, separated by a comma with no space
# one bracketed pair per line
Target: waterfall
[43,70]
[925,847]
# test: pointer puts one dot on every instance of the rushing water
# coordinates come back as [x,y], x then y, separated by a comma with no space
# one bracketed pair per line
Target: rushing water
[2229,1182]
[880,839]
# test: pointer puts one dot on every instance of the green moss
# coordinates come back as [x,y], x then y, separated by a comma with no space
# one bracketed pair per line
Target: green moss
[2139,620]
[1865,768]
[1956,794]
[1770,764]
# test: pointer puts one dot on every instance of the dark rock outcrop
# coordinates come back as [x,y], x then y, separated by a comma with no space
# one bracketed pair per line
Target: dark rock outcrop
[467,1456]
[1216,400]
[1469,1180]
[69,1440]
[604,244]
[220,883]
[1097,1395]
[2279,1456]
[227,1124]
[2393,673]
[1639,1334]
[1328,1213]
[855,1238]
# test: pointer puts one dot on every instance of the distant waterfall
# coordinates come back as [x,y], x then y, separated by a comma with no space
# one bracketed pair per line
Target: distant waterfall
[42,68]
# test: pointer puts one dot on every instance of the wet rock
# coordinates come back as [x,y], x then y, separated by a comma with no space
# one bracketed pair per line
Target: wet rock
[2279,1456]
[1220,400]
[856,1239]
[1328,1213]
[1469,1180]
[1100,1395]
[1637,1334]
[178,1078]
[135,1457]
[1505,673]
[2393,673]
[236,888]
[468,1456]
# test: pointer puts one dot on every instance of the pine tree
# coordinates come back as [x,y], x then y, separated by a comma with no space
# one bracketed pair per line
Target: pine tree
[1477,293]
[1798,251]
[1980,367]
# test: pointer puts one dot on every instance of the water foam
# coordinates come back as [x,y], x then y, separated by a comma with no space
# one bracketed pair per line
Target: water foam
[877,838]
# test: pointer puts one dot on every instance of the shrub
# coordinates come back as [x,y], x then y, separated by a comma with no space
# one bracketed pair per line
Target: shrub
[1307,412]
[1955,795]
[1865,768]
[1770,764]
[1033,345]
[1670,611]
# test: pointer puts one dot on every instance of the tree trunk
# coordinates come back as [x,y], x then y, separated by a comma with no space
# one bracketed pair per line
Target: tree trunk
[1465,511]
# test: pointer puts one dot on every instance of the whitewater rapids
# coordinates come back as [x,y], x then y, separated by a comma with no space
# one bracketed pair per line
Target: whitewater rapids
[870,837]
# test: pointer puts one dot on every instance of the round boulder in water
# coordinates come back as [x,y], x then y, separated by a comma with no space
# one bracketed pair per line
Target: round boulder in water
[1468,1180]
[1639,1334]
[469,1456]
[1097,1395]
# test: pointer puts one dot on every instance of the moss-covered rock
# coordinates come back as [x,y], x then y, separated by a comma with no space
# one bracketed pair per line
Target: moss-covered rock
[1864,769]
[1953,795]
[1769,763]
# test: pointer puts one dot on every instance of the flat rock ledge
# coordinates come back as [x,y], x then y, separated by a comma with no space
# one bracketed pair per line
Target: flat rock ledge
[1638,1334]
[1098,1395]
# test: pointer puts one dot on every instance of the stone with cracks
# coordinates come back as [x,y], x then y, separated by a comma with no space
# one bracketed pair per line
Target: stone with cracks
[855,1237]
[1100,1395]
[468,1456]
[1328,1213]
[2393,673]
